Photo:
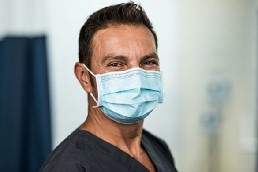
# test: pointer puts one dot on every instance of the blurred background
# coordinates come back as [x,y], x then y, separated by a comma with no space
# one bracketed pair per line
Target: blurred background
[208,52]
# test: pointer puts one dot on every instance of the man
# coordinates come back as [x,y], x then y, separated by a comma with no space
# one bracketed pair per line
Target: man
[119,69]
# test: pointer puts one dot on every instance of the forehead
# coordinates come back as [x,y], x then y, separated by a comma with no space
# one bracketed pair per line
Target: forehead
[123,39]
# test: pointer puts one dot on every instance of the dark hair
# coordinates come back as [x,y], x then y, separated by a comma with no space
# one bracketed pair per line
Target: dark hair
[124,14]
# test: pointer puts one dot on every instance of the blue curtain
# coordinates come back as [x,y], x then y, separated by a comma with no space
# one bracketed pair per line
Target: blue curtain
[25,129]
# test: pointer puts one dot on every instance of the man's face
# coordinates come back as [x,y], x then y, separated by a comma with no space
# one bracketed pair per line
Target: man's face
[123,47]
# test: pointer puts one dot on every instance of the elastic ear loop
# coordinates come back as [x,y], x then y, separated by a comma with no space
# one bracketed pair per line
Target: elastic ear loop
[94,100]
[91,93]
[88,69]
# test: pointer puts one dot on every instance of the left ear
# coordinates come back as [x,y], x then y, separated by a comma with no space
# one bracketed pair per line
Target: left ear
[83,77]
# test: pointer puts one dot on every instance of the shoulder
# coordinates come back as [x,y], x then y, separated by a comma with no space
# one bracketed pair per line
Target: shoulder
[66,156]
[155,140]
[157,144]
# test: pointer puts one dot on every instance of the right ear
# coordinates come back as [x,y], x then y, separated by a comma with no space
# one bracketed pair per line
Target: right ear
[83,77]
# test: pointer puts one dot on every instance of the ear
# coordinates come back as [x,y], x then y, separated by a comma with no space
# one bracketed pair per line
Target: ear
[83,77]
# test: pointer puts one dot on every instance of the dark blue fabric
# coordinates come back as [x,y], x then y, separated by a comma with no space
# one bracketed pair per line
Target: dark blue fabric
[25,129]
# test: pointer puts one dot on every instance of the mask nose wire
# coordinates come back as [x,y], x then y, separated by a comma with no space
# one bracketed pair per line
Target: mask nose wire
[95,77]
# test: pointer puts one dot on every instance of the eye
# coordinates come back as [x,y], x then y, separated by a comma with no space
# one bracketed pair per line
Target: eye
[115,64]
[151,62]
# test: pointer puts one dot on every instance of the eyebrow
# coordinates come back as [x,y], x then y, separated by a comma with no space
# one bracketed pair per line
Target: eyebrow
[125,58]
[110,57]
[151,55]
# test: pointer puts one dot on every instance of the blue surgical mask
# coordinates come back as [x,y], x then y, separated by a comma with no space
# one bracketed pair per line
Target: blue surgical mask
[128,96]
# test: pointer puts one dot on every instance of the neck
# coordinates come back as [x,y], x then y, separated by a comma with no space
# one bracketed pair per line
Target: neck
[127,137]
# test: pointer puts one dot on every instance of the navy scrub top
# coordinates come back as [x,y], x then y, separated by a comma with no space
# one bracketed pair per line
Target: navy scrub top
[82,151]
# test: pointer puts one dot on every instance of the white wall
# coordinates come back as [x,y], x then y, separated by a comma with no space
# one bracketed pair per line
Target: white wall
[218,42]
[21,17]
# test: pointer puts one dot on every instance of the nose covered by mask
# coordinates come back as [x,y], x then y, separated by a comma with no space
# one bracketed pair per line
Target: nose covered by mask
[128,96]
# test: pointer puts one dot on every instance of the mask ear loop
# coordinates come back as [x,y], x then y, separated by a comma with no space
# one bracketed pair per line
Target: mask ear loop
[94,100]
[91,93]
[88,70]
